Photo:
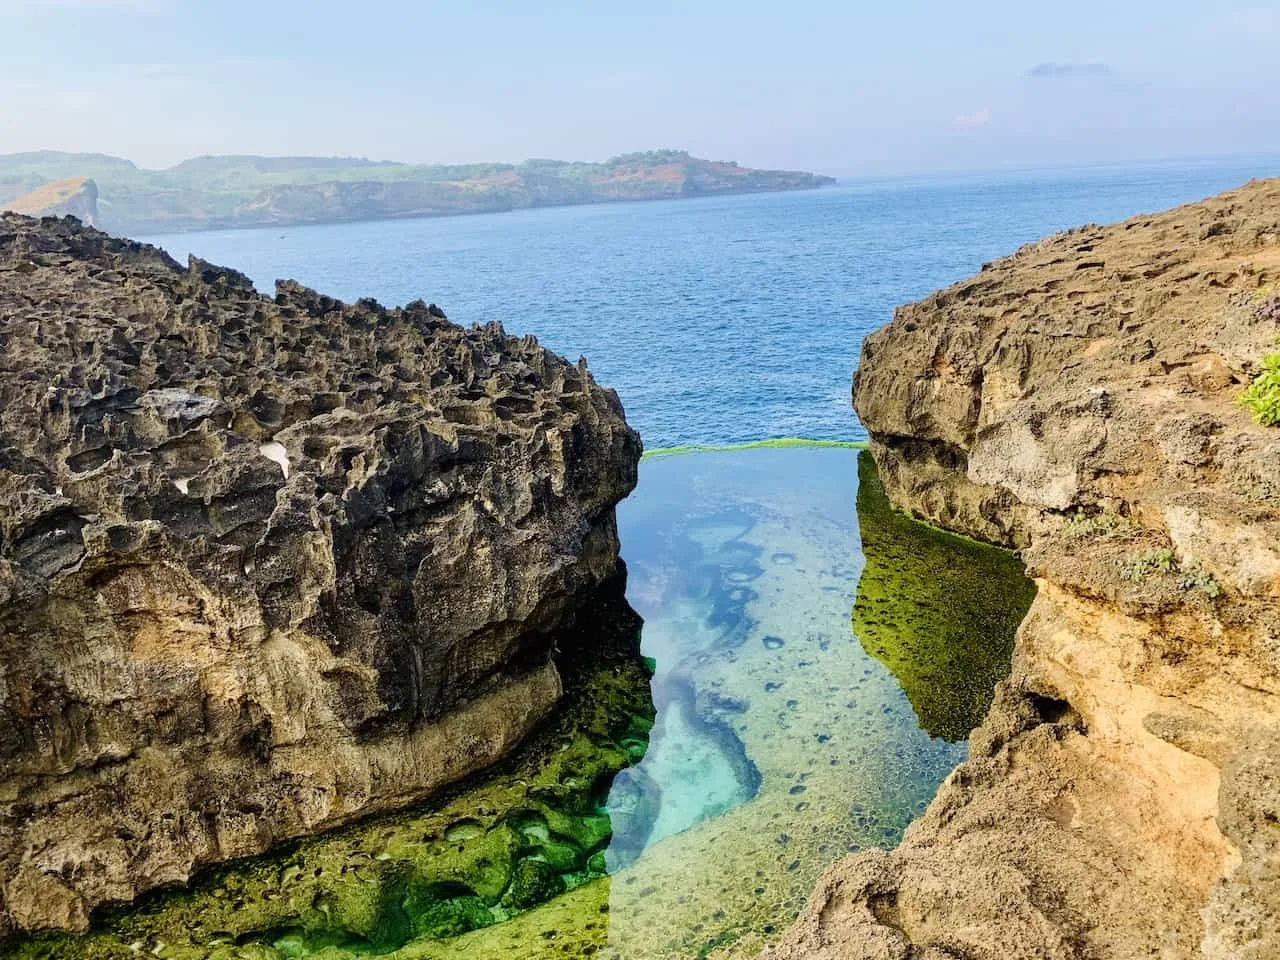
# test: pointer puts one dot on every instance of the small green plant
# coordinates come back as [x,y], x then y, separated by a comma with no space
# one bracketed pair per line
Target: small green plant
[1100,525]
[1138,568]
[1190,575]
[1262,398]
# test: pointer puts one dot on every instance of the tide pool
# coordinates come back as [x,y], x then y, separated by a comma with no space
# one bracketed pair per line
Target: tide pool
[808,666]
[747,569]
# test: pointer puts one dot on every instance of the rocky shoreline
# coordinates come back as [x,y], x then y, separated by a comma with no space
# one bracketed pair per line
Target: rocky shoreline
[267,565]
[1078,400]
[475,859]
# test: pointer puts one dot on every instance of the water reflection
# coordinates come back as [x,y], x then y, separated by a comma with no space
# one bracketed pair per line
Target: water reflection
[938,610]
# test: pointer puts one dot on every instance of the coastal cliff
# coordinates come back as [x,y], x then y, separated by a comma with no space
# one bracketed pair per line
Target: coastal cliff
[76,197]
[1078,400]
[267,564]
[207,193]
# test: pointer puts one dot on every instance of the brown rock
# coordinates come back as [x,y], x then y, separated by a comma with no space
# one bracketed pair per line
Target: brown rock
[1122,796]
[266,565]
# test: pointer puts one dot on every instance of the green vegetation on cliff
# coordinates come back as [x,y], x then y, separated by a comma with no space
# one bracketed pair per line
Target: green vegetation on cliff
[246,191]
[940,611]
[77,196]
[1262,398]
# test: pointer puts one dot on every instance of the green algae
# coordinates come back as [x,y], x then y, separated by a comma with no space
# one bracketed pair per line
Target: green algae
[938,610]
[520,835]
[773,443]
[573,925]
[534,882]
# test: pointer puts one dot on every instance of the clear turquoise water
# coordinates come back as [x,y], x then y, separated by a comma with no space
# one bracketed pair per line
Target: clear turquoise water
[717,320]
[780,743]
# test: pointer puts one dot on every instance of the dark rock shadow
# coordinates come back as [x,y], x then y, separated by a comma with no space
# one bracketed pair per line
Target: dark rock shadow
[940,611]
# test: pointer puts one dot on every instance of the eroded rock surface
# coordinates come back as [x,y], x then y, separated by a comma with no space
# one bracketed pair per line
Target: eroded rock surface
[266,564]
[1076,400]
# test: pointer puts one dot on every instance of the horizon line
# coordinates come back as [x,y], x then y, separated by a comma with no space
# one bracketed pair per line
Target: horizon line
[840,177]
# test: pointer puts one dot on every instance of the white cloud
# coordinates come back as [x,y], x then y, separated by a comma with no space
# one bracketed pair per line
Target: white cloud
[979,118]
[1059,71]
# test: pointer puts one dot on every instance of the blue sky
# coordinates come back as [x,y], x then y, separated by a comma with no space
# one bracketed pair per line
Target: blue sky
[848,88]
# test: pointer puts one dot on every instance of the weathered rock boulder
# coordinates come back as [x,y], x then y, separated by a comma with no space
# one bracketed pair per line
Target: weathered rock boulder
[1076,400]
[266,564]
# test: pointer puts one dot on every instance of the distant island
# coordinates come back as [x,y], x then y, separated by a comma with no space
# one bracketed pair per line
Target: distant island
[249,191]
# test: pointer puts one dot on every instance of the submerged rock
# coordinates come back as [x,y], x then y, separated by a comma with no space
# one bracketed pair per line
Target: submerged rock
[1077,399]
[534,882]
[266,564]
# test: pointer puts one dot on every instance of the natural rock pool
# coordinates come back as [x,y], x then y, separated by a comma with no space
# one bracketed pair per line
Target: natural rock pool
[801,697]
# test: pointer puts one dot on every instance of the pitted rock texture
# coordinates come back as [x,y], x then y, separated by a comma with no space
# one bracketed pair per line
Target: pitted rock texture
[266,564]
[1076,400]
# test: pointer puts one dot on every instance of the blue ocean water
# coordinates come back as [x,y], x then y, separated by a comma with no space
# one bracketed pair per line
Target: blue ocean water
[722,319]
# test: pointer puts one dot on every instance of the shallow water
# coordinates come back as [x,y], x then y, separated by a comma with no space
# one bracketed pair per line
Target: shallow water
[745,566]
[801,698]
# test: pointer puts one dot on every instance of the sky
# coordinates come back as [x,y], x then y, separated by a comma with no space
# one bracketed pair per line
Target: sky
[836,86]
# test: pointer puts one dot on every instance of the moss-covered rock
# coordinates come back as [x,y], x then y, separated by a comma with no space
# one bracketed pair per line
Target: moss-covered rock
[439,912]
[568,927]
[527,831]
[938,610]
[534,882]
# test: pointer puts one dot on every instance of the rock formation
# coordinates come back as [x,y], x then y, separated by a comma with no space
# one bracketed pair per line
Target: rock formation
[1076,400]
[266,564]
[473,860]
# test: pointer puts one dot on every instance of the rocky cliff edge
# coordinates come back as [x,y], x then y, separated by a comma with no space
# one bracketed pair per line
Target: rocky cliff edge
[1077,400]
[266,564]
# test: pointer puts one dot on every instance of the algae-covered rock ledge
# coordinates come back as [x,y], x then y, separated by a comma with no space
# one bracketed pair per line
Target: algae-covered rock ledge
[1079,400]
[267,564]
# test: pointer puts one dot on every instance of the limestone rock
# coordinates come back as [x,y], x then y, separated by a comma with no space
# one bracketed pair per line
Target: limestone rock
[266,564]
[1076,400]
